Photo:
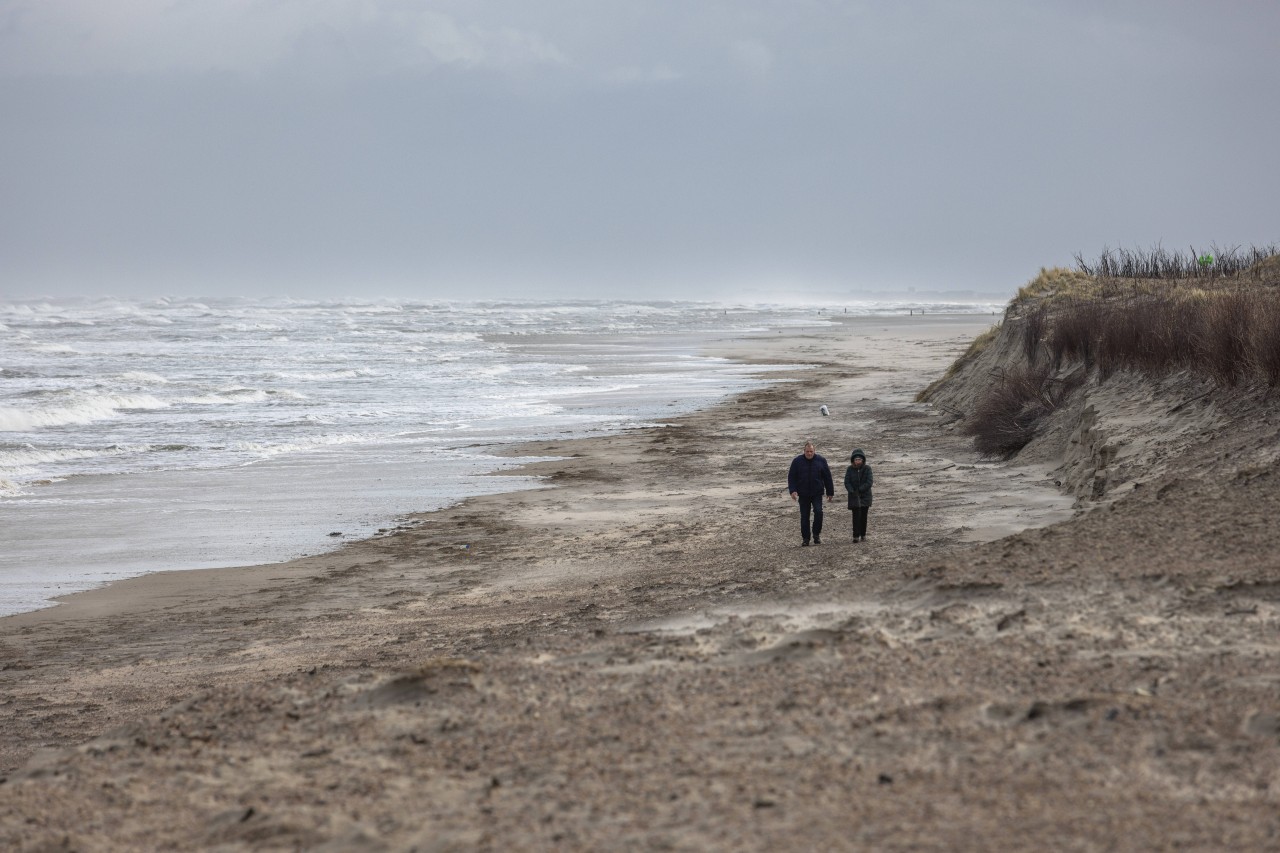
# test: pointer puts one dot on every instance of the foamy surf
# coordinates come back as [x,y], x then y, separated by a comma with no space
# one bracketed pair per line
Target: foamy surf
[182,434]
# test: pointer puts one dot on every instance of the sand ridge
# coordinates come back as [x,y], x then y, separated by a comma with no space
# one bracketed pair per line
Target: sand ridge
[642,656]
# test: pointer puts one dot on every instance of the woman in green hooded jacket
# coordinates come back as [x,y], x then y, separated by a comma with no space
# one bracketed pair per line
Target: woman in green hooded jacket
[857,482]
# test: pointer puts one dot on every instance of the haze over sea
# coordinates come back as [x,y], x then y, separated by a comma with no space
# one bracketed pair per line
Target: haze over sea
[179,434]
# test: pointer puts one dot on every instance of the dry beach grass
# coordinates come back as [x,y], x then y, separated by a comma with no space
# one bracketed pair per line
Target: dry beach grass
[641,657]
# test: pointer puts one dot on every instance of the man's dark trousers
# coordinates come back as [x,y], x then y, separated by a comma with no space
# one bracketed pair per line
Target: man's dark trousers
[807,503]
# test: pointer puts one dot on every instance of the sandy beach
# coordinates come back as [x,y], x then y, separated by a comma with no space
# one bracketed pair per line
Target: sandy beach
[641,656]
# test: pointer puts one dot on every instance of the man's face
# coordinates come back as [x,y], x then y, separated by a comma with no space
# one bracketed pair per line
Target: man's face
[857,461]
[808,451]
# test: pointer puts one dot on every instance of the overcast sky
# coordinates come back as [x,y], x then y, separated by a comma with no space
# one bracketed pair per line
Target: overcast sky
[526,148]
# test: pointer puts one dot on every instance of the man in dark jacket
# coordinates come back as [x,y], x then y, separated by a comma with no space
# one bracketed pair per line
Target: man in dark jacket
[857,482]
[808,478]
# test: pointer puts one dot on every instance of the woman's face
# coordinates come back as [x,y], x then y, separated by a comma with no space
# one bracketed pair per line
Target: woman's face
[857,462]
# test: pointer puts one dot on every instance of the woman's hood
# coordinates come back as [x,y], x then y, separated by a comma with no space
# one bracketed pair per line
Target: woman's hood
[857,454]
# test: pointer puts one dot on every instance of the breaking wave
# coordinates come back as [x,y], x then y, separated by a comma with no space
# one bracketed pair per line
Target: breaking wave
[62,408]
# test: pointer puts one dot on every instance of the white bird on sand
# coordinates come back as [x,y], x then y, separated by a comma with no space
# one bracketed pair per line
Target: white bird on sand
[825,411]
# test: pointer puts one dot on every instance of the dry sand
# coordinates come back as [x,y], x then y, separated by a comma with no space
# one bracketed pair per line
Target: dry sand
[641,656]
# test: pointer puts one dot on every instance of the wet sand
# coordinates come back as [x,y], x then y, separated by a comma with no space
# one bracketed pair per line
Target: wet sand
[642,656]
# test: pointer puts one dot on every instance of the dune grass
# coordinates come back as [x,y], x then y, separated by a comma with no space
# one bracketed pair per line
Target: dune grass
[1008,415]
[1158,263]
[1057,282]
[1230,336]
[1224,327]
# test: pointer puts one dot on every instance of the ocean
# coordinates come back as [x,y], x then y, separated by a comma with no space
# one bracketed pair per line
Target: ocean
[178,433]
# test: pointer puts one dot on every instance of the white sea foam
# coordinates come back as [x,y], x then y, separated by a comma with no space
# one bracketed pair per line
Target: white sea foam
[325,376]
[228,397]
[251,327]
[22,467]
[444,337]
[240,396]
[23,458]
[265,450]
[76,407]
[143,377]
[116,412]
[372,309]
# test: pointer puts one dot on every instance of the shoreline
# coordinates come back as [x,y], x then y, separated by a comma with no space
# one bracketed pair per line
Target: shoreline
[105,596]
[202,475]
[446,544]
[643,655]
[115,595]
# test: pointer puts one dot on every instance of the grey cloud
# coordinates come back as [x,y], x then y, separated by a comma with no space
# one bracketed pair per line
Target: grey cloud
[75,37]
[754,55]
[660,73]
[619,148]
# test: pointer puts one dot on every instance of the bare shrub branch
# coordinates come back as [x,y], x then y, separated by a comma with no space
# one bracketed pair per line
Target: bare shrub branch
[1075,332]
[1159,263]
[1226,335]
[1034,325]
[1264,350]
[1006,417]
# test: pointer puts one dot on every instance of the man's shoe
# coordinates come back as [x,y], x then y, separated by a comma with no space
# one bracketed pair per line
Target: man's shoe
[805,543]
[817,540]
